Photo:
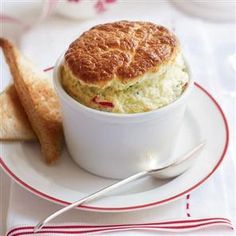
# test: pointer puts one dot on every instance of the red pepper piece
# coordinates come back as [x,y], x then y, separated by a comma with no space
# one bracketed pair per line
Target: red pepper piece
[102,103]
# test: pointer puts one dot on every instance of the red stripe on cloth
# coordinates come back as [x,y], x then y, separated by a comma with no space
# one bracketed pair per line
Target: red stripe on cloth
[122,225]
[198,225]
[188,206]
[177,228]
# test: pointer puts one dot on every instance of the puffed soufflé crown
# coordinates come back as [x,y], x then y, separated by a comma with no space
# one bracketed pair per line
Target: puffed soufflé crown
[120,53]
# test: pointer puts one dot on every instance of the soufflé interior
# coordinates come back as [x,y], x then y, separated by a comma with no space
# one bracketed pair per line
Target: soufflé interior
[125,67]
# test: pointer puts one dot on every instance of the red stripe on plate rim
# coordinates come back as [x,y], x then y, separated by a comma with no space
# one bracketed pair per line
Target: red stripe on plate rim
[87,207]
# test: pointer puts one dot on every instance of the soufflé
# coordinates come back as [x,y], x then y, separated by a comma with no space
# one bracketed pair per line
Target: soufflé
[125,67]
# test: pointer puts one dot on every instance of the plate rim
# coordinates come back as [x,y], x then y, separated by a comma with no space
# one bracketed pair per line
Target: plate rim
[135,207]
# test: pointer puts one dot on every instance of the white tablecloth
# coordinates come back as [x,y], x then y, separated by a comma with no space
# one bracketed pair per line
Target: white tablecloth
[209,47]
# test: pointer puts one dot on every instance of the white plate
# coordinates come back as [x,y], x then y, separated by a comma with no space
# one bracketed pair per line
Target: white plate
[66,182]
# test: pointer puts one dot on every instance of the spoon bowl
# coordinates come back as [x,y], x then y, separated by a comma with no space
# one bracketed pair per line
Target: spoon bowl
[180,166]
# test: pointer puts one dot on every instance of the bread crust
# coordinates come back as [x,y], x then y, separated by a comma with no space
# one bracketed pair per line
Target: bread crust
[121,51]
[38,99]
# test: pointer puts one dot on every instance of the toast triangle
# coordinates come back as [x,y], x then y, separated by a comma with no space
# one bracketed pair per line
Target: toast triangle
[38,99]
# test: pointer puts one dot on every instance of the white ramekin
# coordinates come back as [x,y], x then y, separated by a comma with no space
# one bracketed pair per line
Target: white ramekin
[118,145]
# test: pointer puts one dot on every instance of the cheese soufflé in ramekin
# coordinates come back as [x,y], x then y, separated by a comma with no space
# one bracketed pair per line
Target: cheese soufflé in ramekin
[123,88]
[125,67]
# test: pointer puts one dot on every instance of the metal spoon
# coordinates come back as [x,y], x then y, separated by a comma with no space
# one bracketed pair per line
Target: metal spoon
[176,170]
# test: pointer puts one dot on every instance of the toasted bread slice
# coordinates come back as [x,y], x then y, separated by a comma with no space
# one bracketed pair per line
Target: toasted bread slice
[15,125]
[38,99]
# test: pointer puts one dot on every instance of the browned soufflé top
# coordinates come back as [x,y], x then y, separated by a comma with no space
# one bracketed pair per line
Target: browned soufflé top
[121,51]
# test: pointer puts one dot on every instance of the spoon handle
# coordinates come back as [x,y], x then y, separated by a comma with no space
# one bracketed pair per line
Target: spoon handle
[90,197]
